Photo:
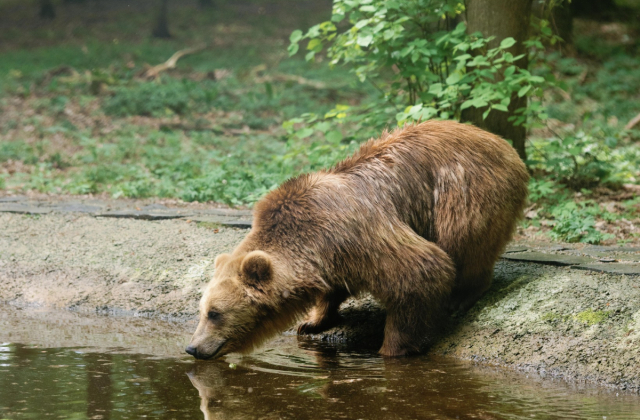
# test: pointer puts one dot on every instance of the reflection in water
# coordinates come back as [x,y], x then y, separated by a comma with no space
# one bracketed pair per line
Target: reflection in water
[289,379]
[98,368]
[324,383]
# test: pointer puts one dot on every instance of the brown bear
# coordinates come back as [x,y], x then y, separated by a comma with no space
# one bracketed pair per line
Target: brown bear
[417,218]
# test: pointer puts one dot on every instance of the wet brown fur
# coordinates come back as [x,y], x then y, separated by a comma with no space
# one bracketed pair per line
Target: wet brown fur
[417,218]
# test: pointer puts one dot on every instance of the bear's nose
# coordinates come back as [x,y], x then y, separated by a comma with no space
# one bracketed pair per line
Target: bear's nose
[192,351]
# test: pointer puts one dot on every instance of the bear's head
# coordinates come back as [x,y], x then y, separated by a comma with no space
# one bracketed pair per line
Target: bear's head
[247,302]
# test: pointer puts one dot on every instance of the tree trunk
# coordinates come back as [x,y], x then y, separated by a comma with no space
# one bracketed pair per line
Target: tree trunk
[162,26]
[502,19]
[47,11]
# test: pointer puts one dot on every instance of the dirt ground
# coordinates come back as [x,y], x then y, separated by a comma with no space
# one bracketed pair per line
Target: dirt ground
[574,324]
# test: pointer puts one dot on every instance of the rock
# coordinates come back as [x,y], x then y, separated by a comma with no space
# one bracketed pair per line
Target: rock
[518,248]
[77,208]
[23,208]
[144,215]
[13,199]
[227,212]
[240,224]
[613,268]
[552,259]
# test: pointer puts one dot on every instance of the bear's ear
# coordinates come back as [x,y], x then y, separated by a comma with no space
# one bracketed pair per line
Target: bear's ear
[256,269]
[221,259]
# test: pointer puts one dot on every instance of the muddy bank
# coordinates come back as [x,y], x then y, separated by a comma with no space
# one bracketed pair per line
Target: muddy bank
[575,324]
[139,267]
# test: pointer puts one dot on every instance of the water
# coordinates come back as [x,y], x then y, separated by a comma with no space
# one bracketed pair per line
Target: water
[69,366]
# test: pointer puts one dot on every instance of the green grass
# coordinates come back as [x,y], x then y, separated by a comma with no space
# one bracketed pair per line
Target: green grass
[210,130]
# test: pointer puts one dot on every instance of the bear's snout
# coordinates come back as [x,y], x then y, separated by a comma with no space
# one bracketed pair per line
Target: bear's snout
[192,351]
[206,350]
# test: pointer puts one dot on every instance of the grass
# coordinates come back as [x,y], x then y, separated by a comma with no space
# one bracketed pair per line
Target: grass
[77,118]
[211,130]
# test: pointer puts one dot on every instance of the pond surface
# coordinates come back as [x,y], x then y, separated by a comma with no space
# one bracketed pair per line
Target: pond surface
[69,366]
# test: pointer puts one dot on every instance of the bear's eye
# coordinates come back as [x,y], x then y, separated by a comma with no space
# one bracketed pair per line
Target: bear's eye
[213,315]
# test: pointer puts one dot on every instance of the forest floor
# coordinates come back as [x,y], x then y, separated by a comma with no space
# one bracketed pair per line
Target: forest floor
[567,310]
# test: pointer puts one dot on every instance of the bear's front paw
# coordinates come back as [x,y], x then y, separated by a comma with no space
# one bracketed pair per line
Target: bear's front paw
[311,327]
[395,349]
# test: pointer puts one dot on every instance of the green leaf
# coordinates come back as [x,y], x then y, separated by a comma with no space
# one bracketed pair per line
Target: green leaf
[454,78]
[466,104]
[362,23]
[507,43]
[364,41]
[509,71]
[523,91]
[334,136]
[293,49]
[304,133]
[295,36]
[314,45]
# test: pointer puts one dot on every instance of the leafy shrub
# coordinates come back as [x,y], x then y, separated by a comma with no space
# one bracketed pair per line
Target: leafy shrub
[423,65]
[158,99]
[582,159]
[575,222]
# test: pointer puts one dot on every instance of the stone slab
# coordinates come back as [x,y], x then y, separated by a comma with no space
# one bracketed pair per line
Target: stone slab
[607,256]
[240,224]
[627,249]
[23,208]
[554,248]
[155,206]
[76,208]
[13,199]
[612,268]
[551,259]
[143,215]
[227,212]
[518,248]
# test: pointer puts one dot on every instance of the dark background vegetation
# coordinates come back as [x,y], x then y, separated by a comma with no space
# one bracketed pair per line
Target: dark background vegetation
[80,113]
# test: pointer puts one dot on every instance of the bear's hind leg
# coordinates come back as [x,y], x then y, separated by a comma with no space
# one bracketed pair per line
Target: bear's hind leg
[324,314]
[414,290]
[470,289]
[401,337]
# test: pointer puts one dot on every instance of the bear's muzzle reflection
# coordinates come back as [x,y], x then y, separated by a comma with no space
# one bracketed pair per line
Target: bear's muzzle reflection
[315,381]
[269,387]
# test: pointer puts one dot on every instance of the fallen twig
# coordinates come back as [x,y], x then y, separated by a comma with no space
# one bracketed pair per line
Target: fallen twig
[155,71]
[632,123]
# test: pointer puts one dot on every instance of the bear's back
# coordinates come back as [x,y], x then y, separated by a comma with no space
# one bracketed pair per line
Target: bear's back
[449,182]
